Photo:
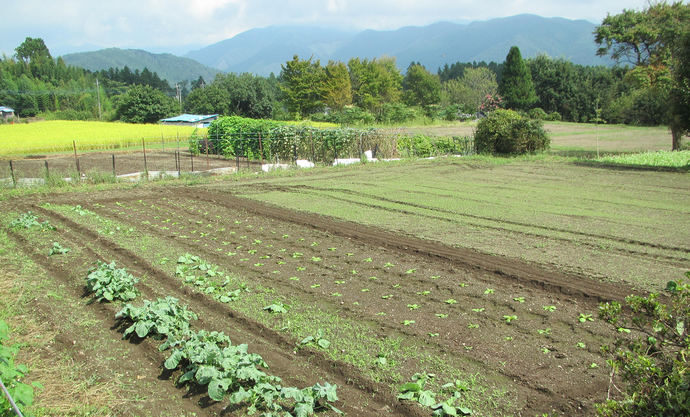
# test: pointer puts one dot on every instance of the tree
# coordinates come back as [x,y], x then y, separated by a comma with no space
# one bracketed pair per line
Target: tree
[301,85]
[375,82]
[422,88]
[471,90]
[680,96]
[651,40]
[337,88]
[144,104]
[32,50]
[516,87]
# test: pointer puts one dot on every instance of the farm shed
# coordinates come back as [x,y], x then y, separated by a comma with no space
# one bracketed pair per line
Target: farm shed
[190,120]
[6,112]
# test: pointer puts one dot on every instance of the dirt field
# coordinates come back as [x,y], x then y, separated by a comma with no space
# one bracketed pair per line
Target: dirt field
[518,336]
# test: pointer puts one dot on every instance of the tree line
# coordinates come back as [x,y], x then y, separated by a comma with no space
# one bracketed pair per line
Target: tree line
[645,88]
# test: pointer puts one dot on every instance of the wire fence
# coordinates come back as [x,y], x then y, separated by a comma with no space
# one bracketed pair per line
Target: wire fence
[239,152]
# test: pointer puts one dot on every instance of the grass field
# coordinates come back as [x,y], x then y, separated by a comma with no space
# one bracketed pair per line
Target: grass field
[56,136]
[621,226]
[486,271]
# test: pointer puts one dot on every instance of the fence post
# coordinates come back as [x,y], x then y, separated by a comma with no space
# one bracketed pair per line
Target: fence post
[146,169]
[74,143]
[14,181]
[192,156]
[207,165]
[47,172]
[114,174]
[313,153]
[261,149]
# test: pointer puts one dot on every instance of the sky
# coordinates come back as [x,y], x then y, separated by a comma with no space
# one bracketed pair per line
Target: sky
[177,26]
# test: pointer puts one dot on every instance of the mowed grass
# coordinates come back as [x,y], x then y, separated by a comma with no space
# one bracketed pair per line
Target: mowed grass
[678,159]
[57,136]
[608,224]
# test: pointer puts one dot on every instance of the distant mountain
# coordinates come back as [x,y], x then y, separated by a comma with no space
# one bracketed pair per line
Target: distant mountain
[168,66]
[262,51]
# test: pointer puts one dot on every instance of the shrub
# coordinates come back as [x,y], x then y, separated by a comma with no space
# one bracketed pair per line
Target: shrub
[538,114]
[507,132]
[655,362]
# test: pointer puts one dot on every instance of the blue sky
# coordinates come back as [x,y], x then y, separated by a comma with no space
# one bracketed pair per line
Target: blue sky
[165,25]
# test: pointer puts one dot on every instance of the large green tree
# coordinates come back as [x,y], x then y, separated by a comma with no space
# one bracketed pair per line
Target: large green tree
[516,86]
[471,89]
[32,50]
[375,82]
[651,40]
[144,104]
[421,88]
[301,84]
[337,88]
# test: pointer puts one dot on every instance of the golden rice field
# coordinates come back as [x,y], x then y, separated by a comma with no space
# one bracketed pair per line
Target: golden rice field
[58,135]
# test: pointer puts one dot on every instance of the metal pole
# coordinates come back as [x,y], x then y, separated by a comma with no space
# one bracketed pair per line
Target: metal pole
[14,181]
[9,398]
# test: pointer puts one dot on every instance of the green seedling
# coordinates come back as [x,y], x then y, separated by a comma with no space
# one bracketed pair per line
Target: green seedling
[337,294]
[314,244]
[545,350]
[385,297]
[436,277]
[297,255]
[407,322]
[544,331]
[316,285]
[397,286]
[276,308]
[478,310]
[508,319]
[462,284]
[413,306]
[294,279]
[373,278]
[441,316]
[580,345]
[424,293]
[411,271]
[365,289]
[519,299]
[57,249]
[315,259]
[350,254]
[508,338]
[381,313]
[388,265]
[367,260]
[549,308]
[339,282]
[451,301]
[315,340]
[473,326]
[489,291]
[332,249]
[300,268]
[433,334]
[585,317]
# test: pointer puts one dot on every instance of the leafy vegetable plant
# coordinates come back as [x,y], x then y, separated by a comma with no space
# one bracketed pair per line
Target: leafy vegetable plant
[57,249]
[108,282]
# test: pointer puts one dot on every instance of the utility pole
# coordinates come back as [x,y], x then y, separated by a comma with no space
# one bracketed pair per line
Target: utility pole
[596,123]
[98,91]
[178,95]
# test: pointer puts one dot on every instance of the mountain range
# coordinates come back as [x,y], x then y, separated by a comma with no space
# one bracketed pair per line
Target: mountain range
[262,51]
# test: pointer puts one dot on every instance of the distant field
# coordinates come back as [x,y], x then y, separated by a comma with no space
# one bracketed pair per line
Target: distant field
[580,139]
[56,136]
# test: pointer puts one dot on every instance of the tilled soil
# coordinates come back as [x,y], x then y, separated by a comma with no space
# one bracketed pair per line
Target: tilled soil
[526,330]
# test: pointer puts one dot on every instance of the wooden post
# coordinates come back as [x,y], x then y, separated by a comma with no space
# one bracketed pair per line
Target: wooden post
[313,153]
[74,143]
[114,174]
[14,181]
[146,169]
[163,141]
[192,156]
[207,165]
[47,172]
[261,150]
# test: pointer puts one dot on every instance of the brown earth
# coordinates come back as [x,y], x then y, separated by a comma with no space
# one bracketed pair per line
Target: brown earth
[559,370]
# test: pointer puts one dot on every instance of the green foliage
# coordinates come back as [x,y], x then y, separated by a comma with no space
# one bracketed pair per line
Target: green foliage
[507,132]
[678,159]
[375,82]
[108,282]
[471,90]
[163,318]
[12,374]
[316,340]
[421,88]
[301,83]
[28,221]
[516,87]
[144,104]
[415,391]
[424,146]
[243,95]
[57,249]
[654,363]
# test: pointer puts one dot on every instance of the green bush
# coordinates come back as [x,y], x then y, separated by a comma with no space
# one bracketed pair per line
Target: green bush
[654,363]
[507,132]
[538,114]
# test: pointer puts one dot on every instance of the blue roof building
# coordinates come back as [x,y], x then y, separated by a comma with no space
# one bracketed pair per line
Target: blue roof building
[6,112]
[190,120]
